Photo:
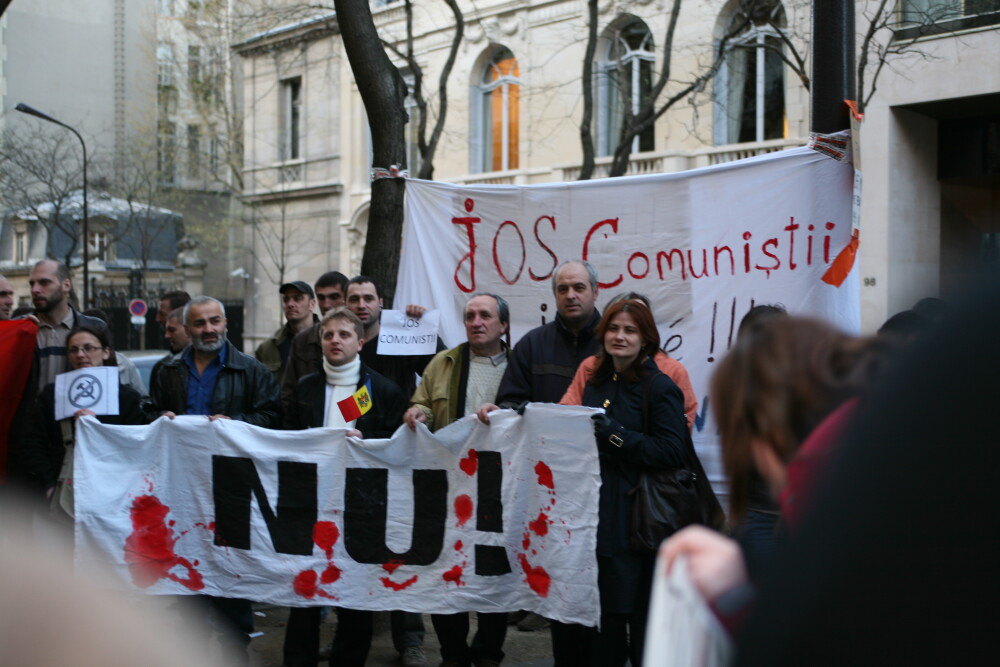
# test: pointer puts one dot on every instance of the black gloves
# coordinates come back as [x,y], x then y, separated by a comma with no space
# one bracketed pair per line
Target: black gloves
[607,431]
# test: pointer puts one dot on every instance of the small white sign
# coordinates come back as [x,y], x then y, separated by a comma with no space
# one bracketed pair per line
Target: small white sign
[400,335]
[94,389]
[138,320]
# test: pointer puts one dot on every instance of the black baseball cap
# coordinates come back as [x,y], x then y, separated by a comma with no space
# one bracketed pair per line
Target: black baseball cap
[299,286]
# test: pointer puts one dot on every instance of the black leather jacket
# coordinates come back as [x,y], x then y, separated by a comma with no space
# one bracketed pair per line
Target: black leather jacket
[245,390]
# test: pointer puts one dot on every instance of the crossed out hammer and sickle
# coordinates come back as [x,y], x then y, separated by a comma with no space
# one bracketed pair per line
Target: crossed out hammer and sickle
[85,391]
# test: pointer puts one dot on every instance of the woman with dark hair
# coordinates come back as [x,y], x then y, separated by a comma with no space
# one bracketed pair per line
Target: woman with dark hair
[643,428]
[48,442]
[782,397]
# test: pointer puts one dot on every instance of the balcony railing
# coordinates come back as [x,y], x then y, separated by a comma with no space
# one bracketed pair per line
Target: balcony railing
[640,163]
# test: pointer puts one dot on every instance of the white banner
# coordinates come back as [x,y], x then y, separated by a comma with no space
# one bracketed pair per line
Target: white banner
[471,518]
[703,245]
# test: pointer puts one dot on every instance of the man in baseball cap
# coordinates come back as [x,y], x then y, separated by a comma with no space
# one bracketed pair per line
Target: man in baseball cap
[298,301]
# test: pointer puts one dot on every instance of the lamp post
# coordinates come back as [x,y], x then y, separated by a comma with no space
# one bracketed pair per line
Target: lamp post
[24,108]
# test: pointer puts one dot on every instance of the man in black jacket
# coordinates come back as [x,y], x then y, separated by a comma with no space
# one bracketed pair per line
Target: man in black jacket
[211,377]
[315,404]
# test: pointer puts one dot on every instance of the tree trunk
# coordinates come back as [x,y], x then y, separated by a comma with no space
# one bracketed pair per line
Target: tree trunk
[383,92]
[586,132]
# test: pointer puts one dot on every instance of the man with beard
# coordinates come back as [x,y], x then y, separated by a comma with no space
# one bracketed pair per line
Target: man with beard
[6,298]
[211,377]
[50,289]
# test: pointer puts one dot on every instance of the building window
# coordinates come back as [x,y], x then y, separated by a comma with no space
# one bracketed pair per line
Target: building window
[165,65]
[193,151]
[194,64]
[624,80]
[750,88]
[291,118]
[21,246]
[166,151]
[410,131]
[498,114]
[99,245]
[213,155]
[934,17]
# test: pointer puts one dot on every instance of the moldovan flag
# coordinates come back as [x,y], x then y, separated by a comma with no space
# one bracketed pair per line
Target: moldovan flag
[356,405]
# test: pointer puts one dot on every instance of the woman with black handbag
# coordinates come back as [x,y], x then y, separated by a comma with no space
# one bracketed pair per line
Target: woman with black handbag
[643,430]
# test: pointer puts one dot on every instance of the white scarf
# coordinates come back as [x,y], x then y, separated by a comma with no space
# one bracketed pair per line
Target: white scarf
[342,381]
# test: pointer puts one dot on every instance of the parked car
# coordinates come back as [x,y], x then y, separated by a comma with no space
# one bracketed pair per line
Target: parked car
[144,361]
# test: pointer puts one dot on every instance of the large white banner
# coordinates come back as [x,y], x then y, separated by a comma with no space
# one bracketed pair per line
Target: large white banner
[703,245]
[471,518]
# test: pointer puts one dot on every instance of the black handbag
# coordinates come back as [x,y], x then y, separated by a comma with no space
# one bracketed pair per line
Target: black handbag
[664,501]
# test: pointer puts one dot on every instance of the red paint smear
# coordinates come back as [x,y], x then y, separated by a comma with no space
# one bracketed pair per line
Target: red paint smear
[463,509]
[454,575]
[172,523]
[330,574]
[526,541]
[149,550]
[470,463]
[389,583]
[305,584]
[325,535]
[324,594]
[537,577]
[458,545]
[544,475]
[540,526]
[210,527]
[392,565]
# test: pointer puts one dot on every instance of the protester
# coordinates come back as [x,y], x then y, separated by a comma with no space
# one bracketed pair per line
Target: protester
[305,354]
[47,449]
[170,302]
[364,298]
[298,301]
[546,358]
[541,366]
[672,368]
[315,404]
[454,383]
[896,560]
[643,428]
[6,298]
[782,397]
[50,290]
[211,377]
[175,333]
[759,532]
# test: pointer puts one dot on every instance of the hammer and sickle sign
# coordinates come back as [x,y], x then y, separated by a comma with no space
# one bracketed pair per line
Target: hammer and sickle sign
[85,392]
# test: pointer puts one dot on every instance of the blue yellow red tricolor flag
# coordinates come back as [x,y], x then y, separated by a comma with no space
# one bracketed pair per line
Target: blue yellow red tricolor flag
[357,404]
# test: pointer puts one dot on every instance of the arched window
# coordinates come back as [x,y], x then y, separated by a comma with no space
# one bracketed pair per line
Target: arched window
[750,88]
[498,96]
[624,79]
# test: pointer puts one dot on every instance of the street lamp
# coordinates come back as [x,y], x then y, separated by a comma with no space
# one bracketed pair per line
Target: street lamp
[24,108]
